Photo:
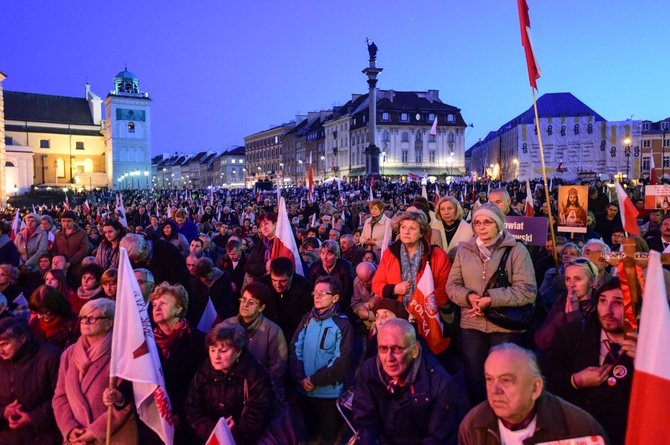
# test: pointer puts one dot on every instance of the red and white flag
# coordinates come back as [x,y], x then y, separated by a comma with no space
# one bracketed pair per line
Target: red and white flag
[653,177]
[647,421]
[424,307]
[310,177]
[627,210]
[134,355]
[527,42]
[284,245]
[66,203]
[87,208]
[529,209]
[433,129]
[221,434]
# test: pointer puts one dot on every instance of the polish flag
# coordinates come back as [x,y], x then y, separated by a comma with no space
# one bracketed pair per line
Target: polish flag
[66,203]
[627,210]
[647,422]
[653,178]
[527,42]
[424,192]
[221,434]
[134,356]
[433,129]
[424,307]
[87,208]
[284,245]
[310,176]
[528,210]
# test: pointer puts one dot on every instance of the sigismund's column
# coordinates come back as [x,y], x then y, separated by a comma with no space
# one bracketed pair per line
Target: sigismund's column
[372,151]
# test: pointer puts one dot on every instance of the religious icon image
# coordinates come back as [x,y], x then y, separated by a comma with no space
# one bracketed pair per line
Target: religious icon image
[572,208]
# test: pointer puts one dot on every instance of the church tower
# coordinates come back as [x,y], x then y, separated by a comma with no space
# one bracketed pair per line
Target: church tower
[128,134]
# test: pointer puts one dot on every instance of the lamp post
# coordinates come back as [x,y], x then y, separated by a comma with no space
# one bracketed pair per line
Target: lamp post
[383,161]
[515,161]
[146,177]
[626,151]
[299,163]
[16,191]
[323,161]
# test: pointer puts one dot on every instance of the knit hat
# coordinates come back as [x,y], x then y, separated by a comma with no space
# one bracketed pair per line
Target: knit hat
[492,212]
[37,217]
[391,305]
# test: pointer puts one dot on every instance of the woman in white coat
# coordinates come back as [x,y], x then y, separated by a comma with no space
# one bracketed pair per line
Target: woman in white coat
[453,229]
[375,228]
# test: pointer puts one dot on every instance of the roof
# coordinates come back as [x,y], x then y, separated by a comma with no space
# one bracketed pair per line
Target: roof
[557,105]
[125,74]
[32,107]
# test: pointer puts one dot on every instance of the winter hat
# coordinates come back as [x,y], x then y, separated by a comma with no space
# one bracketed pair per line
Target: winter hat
[389,304]
[492,212]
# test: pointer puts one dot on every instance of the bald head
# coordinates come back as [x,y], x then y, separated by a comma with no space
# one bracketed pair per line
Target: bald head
[365,271]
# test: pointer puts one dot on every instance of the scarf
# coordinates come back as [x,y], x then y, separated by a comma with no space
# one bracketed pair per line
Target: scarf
[30,232]
[84,354]
[268,248]
[86,295]
[392,384]
[320,316]
[409,268]
[486,250]
[50,328]
[165,342]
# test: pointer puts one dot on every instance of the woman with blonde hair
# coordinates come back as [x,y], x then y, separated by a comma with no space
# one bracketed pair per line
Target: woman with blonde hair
[375,228]
[453,229]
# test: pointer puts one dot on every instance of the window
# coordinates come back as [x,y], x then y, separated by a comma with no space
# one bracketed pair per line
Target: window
[131,127]
[451,118]
[666,143]
[451,137]
[418,156]
[404,156]
[405,136]
[79,145]
[646,143]
[241,161]
[431,138]
[665,125]
[232,161]
[60,168]
[666,161]
[418,137]
[385,136]
[404,117]
[9,140]
[431,118]
[645,126]
[45,143]
[386,117]
[431,156]
[645,162]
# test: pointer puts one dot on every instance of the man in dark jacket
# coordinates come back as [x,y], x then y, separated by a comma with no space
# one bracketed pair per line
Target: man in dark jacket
[233,263]
[403,396]
[71,240]
[519,408]
[9,254]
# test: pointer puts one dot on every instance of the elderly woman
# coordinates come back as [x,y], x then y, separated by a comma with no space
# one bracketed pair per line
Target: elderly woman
[28,374]
[54,321]
[108,283]
[170,233]
[90,286]
[232,384]
[405,262]
[575,303]
[331,264]
[553,283]
[181,349]
[31,241]
[432,235]
[108,251]
[83,382]
[477,261]
[375,228]
[453,229]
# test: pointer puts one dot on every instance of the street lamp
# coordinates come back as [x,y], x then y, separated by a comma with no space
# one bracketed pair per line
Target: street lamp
[301,171]
[626,151]
[383,160]
[16,191]
[323,160]
[146,177]
[515,161]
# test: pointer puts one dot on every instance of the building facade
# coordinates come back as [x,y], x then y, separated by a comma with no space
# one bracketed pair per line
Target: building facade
[655,141]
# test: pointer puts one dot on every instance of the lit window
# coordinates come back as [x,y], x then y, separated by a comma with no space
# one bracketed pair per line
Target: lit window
[405,136]
[451,118]
[404,156]
[386,117]
[232,161]
[404,117]
[131,127]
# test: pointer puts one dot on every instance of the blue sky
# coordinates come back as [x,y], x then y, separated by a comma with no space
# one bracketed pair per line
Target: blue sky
[220,70]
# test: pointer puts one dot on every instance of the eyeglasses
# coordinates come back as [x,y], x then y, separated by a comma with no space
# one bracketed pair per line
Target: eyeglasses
[395,349]
[321,294]
[246,302]
[593,269]
[91,320]
[486,222]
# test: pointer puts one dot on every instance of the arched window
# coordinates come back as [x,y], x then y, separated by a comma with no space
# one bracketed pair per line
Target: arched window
[9,164]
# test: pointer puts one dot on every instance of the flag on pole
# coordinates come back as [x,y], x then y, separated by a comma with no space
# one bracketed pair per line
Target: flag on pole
[221,434]
[310,177]
[16,226]
[284,245]
[424,193]
[529,209]
[433,129]
[121,210]
[87,208]
[209,317]
[385,240]
[66,203]
[34,211]
[647,422]
[423,306]
[627,210]
[134,356]
[653,178]
[527,42]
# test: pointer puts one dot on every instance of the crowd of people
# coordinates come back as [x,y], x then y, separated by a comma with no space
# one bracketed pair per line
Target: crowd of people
[528,348]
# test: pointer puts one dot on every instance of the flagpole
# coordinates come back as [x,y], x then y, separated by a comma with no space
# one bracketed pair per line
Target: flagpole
[110,412]
[544,177]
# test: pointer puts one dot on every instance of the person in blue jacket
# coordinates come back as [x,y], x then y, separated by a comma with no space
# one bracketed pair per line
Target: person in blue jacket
[320,356]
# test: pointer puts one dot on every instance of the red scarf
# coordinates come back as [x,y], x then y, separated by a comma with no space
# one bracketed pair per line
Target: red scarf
[166,341]
[50,327]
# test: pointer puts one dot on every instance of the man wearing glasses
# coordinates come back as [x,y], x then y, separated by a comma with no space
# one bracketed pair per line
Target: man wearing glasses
[403,396]
[320,356]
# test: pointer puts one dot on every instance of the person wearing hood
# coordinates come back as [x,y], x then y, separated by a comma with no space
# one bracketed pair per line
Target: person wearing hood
[31,241]
[476,262]
[9,254]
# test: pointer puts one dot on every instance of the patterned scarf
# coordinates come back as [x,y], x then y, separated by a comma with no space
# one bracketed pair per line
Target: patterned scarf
[486,250]
[268,249]
[84,354]
[320,316]
[409,268]
[166,341]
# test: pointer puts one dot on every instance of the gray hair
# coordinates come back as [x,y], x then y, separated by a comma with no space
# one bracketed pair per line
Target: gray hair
[410,215]
[597,242]
[137,247]
[527,355]
[147,274]
[104,305]
[332,246]
[408,331]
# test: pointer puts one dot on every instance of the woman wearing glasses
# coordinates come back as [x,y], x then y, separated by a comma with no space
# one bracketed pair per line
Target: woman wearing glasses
[476,262]
[181,349]
[375,228]
[83,394]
